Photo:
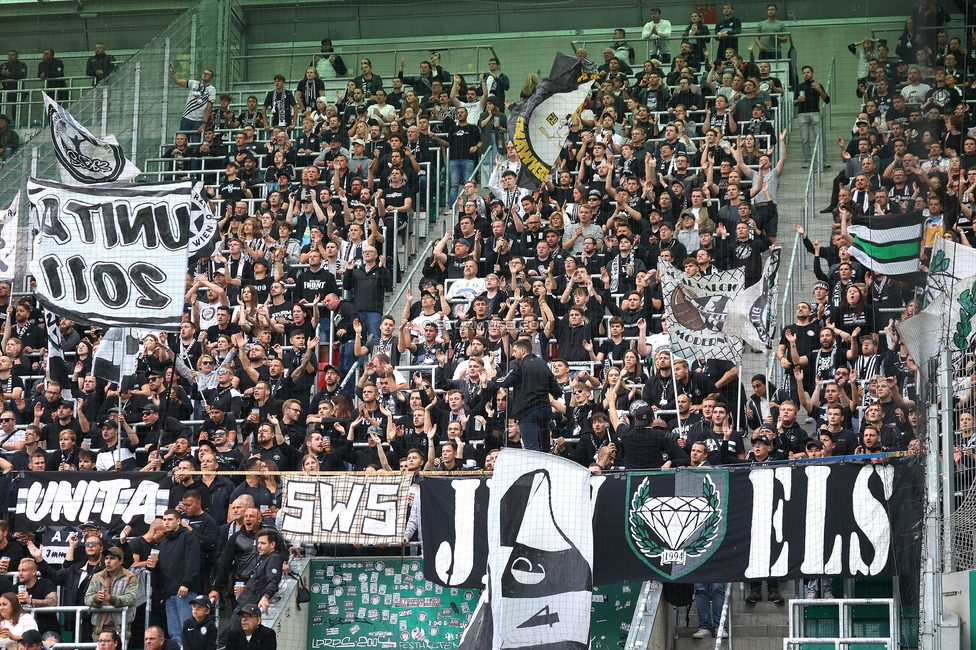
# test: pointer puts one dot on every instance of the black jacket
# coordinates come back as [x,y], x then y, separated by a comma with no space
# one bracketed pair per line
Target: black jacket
[532,382]
[200,635]
[69,577]
[263,638]
[178,564]
[264,581]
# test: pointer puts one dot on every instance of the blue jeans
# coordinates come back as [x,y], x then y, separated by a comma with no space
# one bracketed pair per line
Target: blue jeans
[533,426]
[461,169]
[371,322]
[709,600]
[177,611]
[6,153]
[190,128]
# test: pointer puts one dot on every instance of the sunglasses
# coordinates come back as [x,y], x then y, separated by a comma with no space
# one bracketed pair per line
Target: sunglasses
[8,419]
[206,363]
[91,544]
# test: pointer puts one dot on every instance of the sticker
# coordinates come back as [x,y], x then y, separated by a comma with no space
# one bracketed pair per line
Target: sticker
[433,630]
[337,580]
[331,631]
[398,579]
[316,620]
[387,600]
[388,572]
[438,589]
[625,589]
[403,624]
[338,591]
[333,611]
[421,616]
[468,595]
[373,577]
[454,591]
[374,600]
[354,629]
[414,566]
[379,566]
[419,591]
[373,614]
[361,613]
[316,588]
[363,577]
[394,618]
[382,589]
[347,577]
[332,600]
[404,636]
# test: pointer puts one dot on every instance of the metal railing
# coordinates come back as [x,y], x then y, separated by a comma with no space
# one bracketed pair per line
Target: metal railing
[725,618]
[79,610]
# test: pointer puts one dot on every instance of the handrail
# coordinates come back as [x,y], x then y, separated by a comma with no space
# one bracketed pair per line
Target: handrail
[726,614]
[830,87]
[80,609]
[645,615]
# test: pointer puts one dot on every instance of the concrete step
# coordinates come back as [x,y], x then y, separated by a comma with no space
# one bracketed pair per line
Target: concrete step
[757,643]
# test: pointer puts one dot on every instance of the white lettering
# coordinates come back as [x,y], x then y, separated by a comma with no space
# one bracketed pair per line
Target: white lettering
[871,516]
[381,497]
[453,568]
[332,511]
[301,497]
[782,564]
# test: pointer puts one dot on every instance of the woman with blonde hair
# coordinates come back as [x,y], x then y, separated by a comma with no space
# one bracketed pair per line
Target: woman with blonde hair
[531,82]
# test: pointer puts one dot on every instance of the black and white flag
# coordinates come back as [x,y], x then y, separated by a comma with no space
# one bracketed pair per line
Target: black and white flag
[204,225]
[82,157]
[752,313]
[8,240]
[541,124]
[113,254]
[117,352]
[540,538]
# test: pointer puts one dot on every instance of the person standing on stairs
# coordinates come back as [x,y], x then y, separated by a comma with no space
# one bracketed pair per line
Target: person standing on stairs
[709,596]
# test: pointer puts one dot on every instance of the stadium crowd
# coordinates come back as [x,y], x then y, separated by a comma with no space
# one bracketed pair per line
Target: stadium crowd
[538,321]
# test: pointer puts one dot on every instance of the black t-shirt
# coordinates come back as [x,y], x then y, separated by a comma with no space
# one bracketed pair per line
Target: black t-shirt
[139,546]
[45,622]
[462,138]
[279,107]
[262,287]
[316,283]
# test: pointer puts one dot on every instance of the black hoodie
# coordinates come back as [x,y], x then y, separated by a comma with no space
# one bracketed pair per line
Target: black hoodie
[200,635]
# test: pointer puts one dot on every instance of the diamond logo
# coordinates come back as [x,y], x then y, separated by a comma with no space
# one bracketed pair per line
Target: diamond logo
[552,118]
[676,520]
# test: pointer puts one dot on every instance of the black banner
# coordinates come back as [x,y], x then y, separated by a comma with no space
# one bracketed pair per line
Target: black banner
[717,524]
[111,499]
[541,123]
[455,513]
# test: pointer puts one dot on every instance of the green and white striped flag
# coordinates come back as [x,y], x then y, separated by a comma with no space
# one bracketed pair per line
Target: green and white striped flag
[890,244]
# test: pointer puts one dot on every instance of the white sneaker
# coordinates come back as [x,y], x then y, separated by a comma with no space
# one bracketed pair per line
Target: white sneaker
[725,634]
[702,633]
[812,590]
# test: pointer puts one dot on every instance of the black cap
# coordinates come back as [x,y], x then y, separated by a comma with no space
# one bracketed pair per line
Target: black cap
[261,261]
[641,413]
[596,193]
[150,408]
[206,443]
[31,637]
[328,367]
[813,440]
[111,424]
[763,440]
[250,609]
[89,524]
[203,601]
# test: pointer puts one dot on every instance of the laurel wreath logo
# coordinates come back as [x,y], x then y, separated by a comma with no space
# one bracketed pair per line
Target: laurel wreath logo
[964,328]
[644,538]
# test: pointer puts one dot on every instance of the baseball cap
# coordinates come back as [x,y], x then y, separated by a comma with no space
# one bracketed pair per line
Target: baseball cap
[596,193]
[763,440]
[150,408]
[111,424]
[463,240]
[202,601]
[116,552]
[813,441]
[358,141]
[641,413]
[31,637]
[250,609]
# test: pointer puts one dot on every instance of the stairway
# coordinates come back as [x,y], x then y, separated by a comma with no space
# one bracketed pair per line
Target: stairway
[762,626]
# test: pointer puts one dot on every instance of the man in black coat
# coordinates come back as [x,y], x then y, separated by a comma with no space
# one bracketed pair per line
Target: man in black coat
[177,572]
[75,575]
[251,635]
[532,384]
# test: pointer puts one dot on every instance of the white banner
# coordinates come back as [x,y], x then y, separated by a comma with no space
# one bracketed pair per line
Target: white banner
[540,557]
[345,508]
[112,254]
[8,240]
[82,157]
[696,309]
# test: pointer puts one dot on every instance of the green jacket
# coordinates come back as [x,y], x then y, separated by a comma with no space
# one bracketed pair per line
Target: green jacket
[123,590]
